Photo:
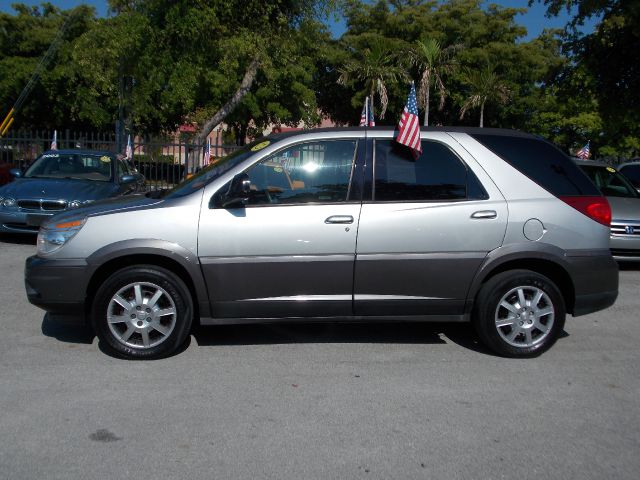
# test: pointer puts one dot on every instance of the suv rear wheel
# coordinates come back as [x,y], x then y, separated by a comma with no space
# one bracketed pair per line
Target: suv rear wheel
[519,313]
[143,311]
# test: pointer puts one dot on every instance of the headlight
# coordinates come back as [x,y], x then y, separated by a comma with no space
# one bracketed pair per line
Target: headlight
[8,202]
[52,237]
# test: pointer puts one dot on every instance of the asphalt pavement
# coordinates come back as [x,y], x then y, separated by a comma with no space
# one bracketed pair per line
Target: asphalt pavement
[304,401]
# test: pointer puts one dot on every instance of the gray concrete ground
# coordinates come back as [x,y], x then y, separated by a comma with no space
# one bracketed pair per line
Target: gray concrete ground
[317,401]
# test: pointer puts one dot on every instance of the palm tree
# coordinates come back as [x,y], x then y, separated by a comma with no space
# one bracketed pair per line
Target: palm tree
[376,68]
[433,62]
[485,87]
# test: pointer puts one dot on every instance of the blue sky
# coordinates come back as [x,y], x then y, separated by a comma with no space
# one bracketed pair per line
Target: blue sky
[534,20]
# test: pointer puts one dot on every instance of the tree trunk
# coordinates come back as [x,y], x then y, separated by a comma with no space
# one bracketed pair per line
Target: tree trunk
[426,109]
[482,114]
[227,108]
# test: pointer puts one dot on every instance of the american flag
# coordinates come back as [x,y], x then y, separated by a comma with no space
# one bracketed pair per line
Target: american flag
[129,151]
[366,117]
[584,152]
[207,152]
[54,142]
[409,126]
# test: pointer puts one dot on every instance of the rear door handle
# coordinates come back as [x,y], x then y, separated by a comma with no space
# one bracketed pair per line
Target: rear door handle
[339,219]
[484,214]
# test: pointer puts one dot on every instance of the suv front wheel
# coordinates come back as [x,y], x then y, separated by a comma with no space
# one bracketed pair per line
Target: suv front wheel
[519,313]
[143,311]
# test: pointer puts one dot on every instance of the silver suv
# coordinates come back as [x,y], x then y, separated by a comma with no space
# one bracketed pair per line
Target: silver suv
[493,227]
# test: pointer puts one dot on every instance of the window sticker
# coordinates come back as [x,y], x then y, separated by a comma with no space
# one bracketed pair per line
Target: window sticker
[611,169]
[51,155]
[105,159]
[260,146]
[277,169]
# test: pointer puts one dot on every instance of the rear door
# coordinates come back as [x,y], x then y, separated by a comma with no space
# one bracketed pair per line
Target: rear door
[426,229]
[290,251]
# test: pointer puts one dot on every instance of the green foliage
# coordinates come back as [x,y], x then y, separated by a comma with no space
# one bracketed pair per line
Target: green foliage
[24,39]
[163,63]
[484,86]
[606,62]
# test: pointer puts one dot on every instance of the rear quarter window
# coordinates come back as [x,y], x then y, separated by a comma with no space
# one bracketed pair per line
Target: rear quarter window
[542,162]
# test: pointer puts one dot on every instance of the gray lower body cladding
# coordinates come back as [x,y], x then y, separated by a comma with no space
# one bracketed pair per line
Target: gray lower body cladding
[60,288]
[595,280]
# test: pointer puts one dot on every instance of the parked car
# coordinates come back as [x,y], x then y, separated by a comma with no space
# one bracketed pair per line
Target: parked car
[60,180]
[493,227]
[625,208]
[631,170]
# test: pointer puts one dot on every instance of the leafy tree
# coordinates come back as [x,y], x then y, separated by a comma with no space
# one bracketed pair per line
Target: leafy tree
[374,66]
[432,61]
[605,58]
[485,86]
[54,100]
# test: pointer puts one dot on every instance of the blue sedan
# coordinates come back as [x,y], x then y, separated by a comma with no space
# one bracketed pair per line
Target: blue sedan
[59,180]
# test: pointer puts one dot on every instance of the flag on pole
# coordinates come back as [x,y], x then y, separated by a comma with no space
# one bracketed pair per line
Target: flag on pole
[409,125]
[54,142]
[366,117]
[129,151]
[584,152]
[207,152]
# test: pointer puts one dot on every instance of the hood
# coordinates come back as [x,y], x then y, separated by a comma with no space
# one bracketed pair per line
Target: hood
[58,189]
[103,207]
[623,208]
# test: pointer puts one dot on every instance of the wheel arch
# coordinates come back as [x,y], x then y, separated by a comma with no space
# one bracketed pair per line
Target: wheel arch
[171,257]
[549,265]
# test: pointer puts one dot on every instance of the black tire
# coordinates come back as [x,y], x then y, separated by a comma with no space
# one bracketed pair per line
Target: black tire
[166,319]
[504,330]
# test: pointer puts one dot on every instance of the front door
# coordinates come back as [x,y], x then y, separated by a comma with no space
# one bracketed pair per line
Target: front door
[290,251]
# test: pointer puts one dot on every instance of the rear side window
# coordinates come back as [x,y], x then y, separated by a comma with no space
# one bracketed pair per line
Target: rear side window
[541,162]
[438,174]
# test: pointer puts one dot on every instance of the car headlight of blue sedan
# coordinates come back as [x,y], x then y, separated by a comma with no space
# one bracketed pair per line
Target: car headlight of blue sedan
[7,202]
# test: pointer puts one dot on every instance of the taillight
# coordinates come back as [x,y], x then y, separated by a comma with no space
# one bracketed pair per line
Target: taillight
[596,208]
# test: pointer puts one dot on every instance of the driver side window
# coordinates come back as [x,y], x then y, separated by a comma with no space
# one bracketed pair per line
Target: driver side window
[313,172]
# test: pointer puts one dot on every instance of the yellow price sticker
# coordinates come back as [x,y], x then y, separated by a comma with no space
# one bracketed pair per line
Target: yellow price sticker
[611,169]
[260,146]
[278,169]
[105,159]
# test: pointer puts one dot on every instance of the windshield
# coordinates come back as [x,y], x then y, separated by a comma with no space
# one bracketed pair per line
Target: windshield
[215,169]
[610,182]
[77,166]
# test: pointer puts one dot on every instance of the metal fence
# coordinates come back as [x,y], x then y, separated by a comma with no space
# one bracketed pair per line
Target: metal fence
[163,162]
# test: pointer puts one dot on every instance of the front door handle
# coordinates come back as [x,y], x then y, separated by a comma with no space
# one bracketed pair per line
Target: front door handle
[484,214]
[339,219]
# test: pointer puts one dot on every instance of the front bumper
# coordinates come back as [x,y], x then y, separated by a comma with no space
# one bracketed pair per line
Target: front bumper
[58,286]
[625,247]
[22,222]
[595,281]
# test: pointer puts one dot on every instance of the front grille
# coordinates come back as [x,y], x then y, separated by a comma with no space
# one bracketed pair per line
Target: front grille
[625,227]
[46,205]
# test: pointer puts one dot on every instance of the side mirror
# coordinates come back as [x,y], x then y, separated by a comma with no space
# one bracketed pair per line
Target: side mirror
[238,193]
[128,179]
[15,172]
